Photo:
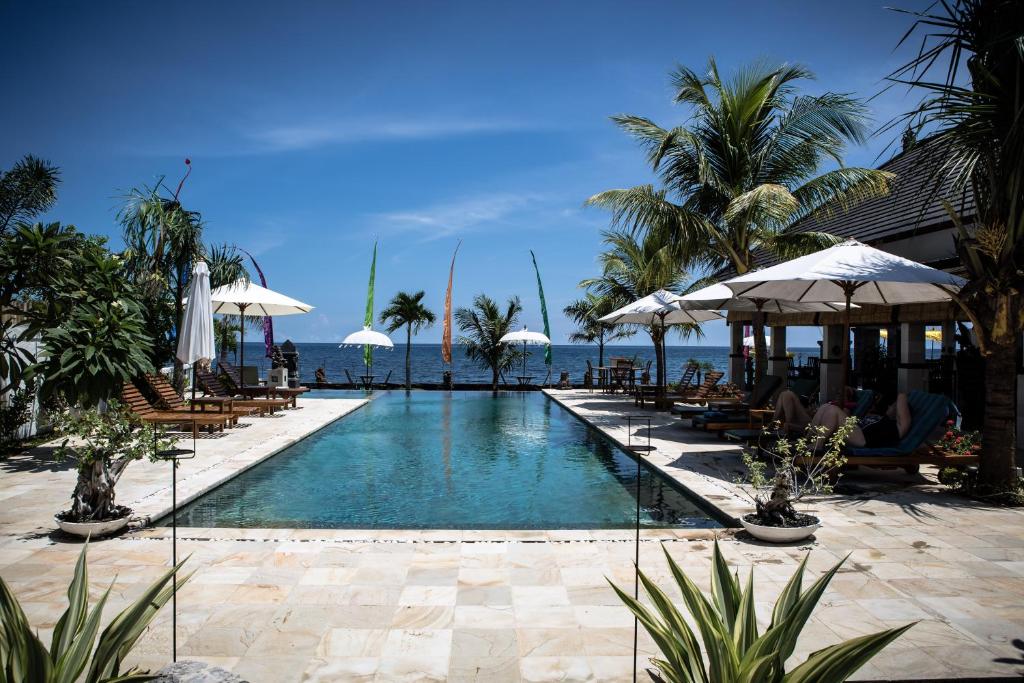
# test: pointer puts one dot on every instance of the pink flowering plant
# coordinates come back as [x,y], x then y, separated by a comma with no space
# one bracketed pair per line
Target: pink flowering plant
[959,442]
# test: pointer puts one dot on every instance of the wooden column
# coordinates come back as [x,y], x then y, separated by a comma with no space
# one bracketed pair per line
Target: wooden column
[736,360]
[913,371]
[778,361]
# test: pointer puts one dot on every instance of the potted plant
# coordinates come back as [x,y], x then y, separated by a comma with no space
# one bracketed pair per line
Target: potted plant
[808,465]
[102,442]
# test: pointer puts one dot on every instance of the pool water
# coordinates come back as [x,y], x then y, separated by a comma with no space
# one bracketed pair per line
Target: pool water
[448,460]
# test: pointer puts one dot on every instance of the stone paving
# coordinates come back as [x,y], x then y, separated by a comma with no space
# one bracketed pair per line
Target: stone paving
[283,605]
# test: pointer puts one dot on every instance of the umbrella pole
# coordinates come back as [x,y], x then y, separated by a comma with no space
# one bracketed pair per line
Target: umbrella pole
[241,346]
[524,359]
[848,289]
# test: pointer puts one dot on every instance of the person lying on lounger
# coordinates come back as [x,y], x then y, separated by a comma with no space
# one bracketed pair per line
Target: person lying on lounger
[874,430]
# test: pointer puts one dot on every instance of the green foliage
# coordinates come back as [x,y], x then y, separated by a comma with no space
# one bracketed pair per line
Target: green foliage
[734,650]
[27,190]
[586,313]
[407,310]
[225,329]
[483,325]
[807,465]
[79,651]
[14,413]
[103,443]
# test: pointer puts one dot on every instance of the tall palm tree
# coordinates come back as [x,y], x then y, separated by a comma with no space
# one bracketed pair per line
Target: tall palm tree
[163,241]
[408,310]
[970,71]
[745,167]
[585,312]
[632,268]
[483,325]
[224,330]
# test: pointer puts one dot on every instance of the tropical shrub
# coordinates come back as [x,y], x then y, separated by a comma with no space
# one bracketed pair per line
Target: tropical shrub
[804,466]
[734,649]
[103,443]
[75,654]
[15,413]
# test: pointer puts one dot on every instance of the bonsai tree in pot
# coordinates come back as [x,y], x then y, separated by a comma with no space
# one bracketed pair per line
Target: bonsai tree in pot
[792,469]
[103,442]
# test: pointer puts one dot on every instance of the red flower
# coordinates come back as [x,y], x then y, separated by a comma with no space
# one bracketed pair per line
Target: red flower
[949,435]
[948,423]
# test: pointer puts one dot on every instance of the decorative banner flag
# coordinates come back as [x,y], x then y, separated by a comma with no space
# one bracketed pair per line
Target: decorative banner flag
[268,322]
[446,330]
[543,311]
[368,321]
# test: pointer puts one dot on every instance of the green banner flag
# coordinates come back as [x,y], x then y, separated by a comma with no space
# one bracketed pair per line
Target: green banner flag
[368,322]
[543,311]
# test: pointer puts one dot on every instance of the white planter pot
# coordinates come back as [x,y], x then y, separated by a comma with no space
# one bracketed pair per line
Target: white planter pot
[778,534]
[93,529]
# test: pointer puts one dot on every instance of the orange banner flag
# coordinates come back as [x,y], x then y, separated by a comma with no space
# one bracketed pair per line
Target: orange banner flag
[446,332]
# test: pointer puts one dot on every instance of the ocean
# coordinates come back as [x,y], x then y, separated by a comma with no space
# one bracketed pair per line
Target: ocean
[427,366]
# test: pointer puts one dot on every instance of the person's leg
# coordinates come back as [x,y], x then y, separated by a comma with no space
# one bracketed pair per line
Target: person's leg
[790,411]
[903,418]
[830,418]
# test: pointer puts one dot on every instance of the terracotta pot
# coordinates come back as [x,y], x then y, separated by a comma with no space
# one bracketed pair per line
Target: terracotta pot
[779,534]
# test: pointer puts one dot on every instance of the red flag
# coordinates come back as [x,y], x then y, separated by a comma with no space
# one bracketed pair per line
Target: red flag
[446,332]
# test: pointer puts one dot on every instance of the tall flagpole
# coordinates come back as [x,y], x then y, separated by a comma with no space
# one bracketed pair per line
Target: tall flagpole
[446,331]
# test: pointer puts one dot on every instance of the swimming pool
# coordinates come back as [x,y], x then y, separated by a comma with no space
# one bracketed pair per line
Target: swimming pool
[448,460]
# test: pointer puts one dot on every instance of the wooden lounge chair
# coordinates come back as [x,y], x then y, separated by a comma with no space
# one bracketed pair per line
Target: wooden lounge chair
[647,392]
[144,410]
[712,378]
[169,399]
[928,412]
[212,385]
[737,416]
[234,377]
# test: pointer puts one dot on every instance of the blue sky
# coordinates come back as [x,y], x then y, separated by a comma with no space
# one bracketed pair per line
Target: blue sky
[315,128]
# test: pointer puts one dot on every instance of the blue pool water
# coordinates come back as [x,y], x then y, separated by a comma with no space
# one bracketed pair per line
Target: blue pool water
[440,460]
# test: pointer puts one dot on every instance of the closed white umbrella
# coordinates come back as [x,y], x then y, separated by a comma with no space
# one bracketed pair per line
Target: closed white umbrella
[243,298]
[853,273]
[368,337]
[525,337]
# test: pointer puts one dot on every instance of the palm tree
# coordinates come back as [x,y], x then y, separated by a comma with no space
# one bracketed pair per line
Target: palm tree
[408,310]
[634,267]
[483,325]
[973,106]
[745,169]
[224,330]
[585,312]
[163,241]
[27,190]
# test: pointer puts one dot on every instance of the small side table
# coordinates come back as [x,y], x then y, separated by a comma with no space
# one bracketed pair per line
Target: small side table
[524,379]
[222,403]
[367,381]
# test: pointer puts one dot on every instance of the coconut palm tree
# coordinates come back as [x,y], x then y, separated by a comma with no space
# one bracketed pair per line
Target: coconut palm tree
[744,168]
[635,266]
[408,310]
[970,71]
[27,190]
[224,331]
[585,312]
[483,325]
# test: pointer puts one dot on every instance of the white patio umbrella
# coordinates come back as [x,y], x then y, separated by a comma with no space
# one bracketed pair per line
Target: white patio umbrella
[749,341]
[368,337]
[853,273]
[243,298]
[661,308]
[526,337]
[719,297]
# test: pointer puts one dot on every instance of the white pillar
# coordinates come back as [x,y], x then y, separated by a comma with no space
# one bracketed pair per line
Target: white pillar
[913,371]
[778,361]
[831,363]
[736,360]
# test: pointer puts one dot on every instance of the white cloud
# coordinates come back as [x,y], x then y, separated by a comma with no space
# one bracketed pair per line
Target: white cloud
[341,131]
[463,215]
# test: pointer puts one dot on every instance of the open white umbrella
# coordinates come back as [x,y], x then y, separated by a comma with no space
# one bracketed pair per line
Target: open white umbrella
[368,337]
[243,298]
[526,337]
[749,341]
[853,273]
[719,297]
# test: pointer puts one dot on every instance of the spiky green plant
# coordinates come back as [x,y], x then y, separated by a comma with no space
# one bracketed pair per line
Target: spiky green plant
[72,655]
[736,651]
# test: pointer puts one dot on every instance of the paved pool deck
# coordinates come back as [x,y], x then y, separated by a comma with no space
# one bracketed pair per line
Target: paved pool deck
[283,605]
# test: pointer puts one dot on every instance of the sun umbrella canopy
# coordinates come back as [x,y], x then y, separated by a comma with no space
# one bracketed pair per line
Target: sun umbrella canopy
[367,337]
[524,336]
[879,278]
[247,298]
[719,297]
[662,307]
[749,341]
[195,338]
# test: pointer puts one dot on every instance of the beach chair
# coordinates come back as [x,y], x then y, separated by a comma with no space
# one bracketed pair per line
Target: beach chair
[692,405]
[234,377]
[168,399]
[140,406]
[737,416]
[212,385]
[804,388]
[928,413]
